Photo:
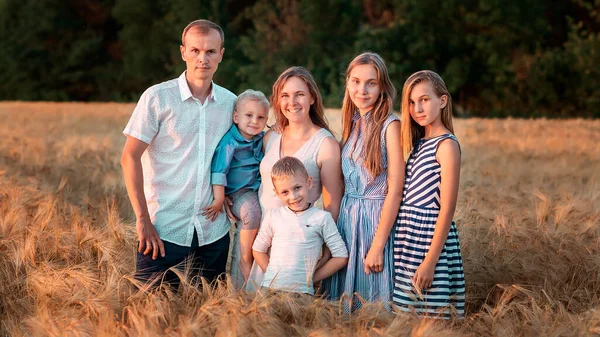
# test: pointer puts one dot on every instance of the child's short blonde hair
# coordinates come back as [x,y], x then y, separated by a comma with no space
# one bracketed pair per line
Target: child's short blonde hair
[253,95]
[287,167]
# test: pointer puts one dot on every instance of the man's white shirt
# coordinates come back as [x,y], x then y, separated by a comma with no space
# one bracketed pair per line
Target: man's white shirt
[182,134]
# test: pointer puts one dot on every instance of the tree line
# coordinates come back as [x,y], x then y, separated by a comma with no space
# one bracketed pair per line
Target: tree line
[498,57]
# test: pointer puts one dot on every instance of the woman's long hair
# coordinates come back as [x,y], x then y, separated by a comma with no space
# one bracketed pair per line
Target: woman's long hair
[371,151]
[316,113]
[411,131]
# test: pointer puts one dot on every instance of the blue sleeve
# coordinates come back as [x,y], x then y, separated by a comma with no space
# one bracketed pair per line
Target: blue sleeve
[221,162]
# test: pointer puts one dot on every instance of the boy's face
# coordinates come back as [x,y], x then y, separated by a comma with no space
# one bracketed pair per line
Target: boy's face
[250,118]
[293,191]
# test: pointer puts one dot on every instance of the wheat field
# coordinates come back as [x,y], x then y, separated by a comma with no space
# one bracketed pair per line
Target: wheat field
[528,215]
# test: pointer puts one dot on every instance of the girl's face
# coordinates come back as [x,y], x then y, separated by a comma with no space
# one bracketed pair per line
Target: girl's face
[363,87]
[424,105]
[295,100]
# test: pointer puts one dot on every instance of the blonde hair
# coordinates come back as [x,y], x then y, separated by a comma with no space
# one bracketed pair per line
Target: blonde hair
[316,113]
[204,27]
[287,167]
[411,131]
[253,95]
[371,150]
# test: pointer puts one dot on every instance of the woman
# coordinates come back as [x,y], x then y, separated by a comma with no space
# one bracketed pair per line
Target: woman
[305,135]
[300,116]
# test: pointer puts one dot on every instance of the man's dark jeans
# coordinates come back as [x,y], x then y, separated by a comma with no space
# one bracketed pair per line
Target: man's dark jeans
[208,261]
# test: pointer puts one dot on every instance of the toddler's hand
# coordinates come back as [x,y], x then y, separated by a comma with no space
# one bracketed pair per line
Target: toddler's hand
[212,211]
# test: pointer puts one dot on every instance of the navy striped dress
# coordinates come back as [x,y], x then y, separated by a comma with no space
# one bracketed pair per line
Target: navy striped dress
[414,232]
[357,223]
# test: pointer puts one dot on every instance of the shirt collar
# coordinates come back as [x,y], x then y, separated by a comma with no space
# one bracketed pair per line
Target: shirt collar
[238,136]
[185,92]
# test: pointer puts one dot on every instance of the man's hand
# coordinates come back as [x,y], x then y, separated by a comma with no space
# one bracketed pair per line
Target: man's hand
[149,239]
[212,211]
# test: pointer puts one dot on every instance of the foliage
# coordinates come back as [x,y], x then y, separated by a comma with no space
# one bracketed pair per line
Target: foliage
[499,58]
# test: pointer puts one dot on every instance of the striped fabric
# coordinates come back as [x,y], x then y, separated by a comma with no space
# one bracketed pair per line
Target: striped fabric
[414,232]
[358,220]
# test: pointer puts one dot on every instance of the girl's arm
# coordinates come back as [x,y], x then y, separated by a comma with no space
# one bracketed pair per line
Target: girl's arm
[391,204]
[448,155]
[329,161]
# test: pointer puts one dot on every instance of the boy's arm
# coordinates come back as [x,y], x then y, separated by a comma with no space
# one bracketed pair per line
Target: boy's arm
[263,242]
[212,211]
[338,249]
[262,259]
[219,169]
[329,268]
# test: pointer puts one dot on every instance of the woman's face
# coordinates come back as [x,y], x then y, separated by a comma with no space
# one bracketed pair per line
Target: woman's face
[363,87]
[295,100]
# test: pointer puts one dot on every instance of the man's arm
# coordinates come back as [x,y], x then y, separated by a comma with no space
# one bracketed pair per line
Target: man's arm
[134,181]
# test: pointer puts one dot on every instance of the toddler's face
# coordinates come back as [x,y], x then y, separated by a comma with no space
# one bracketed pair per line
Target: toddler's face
[293,191]
[251,118]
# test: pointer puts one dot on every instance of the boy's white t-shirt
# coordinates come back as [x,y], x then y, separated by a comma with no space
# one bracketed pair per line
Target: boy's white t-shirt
[296,240]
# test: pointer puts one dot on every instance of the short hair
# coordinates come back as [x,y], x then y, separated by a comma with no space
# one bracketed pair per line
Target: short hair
[204,27]
[287,167]
[253,95]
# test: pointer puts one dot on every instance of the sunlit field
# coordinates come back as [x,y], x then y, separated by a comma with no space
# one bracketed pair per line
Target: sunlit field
[528,215]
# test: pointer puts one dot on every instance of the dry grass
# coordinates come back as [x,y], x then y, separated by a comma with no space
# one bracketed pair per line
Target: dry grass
[528,216]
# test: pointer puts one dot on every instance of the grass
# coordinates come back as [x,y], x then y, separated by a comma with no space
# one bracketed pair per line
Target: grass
[528,215]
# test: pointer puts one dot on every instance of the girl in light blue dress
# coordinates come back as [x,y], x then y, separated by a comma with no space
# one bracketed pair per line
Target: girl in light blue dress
[373,169]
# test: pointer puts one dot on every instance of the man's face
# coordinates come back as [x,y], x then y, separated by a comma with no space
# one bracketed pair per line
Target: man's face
[202,54]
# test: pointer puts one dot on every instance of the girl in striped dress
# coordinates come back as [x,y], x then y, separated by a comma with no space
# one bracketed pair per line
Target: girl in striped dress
[429,277]
[373,169]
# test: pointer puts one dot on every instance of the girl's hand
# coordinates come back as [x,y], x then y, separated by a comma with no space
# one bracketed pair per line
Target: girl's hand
[374,260]
[423,276]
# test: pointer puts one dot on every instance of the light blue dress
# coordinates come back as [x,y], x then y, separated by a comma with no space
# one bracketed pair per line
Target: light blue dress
[358,220]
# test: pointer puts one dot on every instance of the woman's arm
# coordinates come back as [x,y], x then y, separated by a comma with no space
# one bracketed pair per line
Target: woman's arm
[329,161]
[391,204]
[266,140]
[448,155]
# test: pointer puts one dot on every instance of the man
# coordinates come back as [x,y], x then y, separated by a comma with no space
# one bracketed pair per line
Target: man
[171,138]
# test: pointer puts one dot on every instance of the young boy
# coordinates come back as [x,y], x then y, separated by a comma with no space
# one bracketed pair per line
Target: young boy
[235,173]
[295,233]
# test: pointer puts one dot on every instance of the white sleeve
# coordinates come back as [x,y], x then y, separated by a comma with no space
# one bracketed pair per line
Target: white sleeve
[265,234]
[144,122]
[332,237]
